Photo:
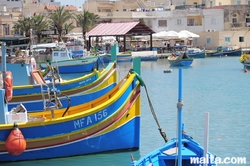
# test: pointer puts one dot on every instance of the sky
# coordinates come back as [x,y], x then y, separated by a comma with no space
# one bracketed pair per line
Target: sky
[77,3]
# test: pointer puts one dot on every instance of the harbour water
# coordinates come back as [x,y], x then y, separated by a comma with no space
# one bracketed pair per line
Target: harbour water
[215,85]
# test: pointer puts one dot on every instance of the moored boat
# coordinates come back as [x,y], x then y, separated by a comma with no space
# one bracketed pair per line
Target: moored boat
[182,150]
[225,51]
[87,83]
[181,60]
[245,60]
[62,57]
[121,57]
[109,123]
[190,51]
[230,51]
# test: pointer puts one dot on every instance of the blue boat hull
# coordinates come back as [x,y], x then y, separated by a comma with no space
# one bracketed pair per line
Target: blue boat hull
[197,55]
[110,123]
[37,88]
[81,68]
[70,87]
[37,105]
[120,58]
[233,53]
[168,156]
[246,65]
[216,54]
[182,63]
[78,68]
[149,58]
[96,144]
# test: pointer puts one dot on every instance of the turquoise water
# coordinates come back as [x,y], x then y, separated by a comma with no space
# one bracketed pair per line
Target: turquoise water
[215,85]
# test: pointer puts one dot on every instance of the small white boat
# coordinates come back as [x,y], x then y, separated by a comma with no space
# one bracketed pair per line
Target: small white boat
[60,56]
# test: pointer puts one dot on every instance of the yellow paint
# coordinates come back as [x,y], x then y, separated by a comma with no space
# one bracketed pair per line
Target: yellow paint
[132,112]
[79,111]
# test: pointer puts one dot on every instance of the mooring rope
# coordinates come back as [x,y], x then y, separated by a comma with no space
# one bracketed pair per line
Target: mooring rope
[163,134]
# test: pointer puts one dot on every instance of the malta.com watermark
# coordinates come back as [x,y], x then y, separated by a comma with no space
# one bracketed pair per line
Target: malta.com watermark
[218,160]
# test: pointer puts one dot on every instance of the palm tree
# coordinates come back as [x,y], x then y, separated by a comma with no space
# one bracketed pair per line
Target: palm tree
[68,27]
[38,24]
[86,21]
[59,18]
[24,25]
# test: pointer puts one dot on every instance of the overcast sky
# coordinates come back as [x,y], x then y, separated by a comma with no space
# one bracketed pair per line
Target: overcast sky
[77,3]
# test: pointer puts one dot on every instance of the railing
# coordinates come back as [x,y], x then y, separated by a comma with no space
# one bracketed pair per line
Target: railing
[236,25]
[197,24]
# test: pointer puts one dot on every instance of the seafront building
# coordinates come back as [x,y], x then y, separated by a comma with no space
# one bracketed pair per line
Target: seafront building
[218,22]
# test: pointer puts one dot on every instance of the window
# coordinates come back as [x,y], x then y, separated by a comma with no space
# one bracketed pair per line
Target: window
[178,21]
[213,21]
[6,29]
[208,40]
[227,39]
[162,23]
[248,22]
[238,2]
[190,22]
[195,41]
[248,2]
[234,18]
[211,3]
[241,39]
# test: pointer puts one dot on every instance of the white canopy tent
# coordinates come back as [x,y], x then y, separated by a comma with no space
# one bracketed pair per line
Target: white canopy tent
[167,35]
[187,34]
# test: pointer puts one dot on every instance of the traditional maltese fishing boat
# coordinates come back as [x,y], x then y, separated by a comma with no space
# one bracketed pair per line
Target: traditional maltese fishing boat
[181,151]
[245,60]
[108,123]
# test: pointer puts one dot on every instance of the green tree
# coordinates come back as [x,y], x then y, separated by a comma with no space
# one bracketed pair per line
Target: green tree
[23,25]
[142,20]
[86,21]
[68,27]
[39,23]
[59,18]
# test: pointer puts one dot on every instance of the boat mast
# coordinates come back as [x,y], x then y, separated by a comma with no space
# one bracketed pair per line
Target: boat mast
[3,105]
[179,107]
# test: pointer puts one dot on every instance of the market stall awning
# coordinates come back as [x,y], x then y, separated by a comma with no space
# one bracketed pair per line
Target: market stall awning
[120,28]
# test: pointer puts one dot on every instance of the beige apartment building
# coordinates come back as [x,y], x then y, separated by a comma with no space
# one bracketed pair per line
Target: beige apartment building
[218,22]
[224,22]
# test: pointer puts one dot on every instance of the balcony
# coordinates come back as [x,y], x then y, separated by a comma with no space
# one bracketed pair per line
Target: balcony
[197,24]
[236,25]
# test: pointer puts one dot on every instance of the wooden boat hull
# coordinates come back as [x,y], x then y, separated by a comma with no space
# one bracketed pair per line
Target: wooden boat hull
[233,53]
[168,154]
[109,123]
[86,83]
[78,65]
[215,54]
[149,58]
[197,55]
[246,65]
[38,105]
[120,58]
[179,61]
[245,60]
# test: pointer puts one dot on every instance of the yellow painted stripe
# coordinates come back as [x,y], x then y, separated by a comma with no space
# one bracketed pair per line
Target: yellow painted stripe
[77,115]
[126,117]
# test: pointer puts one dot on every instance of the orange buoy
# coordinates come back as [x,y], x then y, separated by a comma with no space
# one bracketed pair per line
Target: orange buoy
[245,70]
[8,85]
[15,143]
